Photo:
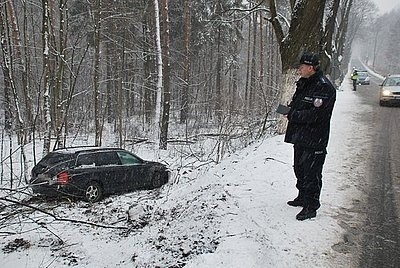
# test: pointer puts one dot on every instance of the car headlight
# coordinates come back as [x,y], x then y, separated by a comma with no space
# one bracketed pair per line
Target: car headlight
[386,92]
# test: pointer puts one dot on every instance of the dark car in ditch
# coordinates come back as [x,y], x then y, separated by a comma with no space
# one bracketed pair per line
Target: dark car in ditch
[93,172]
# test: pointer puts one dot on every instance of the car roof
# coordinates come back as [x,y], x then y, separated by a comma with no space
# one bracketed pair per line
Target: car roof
[80,149]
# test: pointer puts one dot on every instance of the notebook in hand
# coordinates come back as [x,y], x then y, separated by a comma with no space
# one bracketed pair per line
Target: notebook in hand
[282,109]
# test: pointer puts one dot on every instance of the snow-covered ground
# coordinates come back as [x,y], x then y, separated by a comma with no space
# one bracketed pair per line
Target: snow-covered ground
[233,214]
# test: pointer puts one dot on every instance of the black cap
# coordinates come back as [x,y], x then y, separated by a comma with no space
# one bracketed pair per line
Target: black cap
[309,59]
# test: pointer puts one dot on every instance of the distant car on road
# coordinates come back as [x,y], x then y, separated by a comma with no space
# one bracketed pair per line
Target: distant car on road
[92,172]
[363,78]
[390,90]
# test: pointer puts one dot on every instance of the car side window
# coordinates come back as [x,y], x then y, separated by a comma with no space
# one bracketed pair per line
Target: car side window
[128,159]
[85,160]
[97,159]
[107,158]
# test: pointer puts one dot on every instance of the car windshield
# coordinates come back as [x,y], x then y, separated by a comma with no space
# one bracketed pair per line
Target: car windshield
[128,159]
[362,75]
[392,81]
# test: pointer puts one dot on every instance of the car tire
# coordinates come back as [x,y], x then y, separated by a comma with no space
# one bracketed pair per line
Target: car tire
[381,103]
[157,180]
[93,192]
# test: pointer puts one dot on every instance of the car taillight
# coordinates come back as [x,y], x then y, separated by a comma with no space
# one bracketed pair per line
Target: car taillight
[63,178]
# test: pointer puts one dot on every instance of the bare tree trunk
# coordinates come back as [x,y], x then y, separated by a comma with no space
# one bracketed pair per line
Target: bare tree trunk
[7,90]
[253,71]
[234,100]
[9,76]
[248,68]
[305,31]
[220,58]
[120,109]
[327,39]
[148,67]
[187,64]
[341,39]
[166,74]
[109,84]
[261,68]
[289,78]
[21,69]
[8,114]
[305,34]
[96,72]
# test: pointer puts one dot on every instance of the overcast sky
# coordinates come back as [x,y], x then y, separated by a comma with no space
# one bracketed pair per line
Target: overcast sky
[386,5]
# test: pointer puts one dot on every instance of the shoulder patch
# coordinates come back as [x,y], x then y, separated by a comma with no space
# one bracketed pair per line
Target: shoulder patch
[318,102]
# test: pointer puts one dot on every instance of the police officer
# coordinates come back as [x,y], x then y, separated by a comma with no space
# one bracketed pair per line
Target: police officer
[354,78]
[308,130]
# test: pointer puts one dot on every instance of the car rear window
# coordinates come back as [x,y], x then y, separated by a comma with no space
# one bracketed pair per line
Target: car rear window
[55,158]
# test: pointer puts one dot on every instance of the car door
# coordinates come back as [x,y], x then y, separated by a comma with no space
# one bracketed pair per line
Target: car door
[135,170]
[98,166]
[110,171]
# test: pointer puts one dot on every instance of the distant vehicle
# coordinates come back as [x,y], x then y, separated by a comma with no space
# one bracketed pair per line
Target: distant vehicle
[363,78]
[93,172]
[390,90]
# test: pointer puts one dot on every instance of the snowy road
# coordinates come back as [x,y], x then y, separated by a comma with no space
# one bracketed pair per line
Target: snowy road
[381,242]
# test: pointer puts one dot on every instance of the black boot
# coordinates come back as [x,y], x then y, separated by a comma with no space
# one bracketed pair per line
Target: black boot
[306,213]
[297,202]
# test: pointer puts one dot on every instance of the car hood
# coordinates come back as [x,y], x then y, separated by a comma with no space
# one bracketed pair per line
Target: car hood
[154,164]
[392,88]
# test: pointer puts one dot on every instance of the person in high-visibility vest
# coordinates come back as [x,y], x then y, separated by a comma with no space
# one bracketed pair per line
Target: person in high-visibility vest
[354,77]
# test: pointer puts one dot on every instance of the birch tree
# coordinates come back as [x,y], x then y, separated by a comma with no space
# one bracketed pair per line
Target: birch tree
[159,72]
[46,75]
[60,75]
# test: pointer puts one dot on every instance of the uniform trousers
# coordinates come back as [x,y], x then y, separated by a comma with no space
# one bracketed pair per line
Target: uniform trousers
[308,164]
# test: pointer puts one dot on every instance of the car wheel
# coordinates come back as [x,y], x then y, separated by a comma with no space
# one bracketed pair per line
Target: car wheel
[156,181]
[381,103]
[93,192]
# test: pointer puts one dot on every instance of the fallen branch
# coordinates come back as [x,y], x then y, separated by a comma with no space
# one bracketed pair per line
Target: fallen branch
[63,219]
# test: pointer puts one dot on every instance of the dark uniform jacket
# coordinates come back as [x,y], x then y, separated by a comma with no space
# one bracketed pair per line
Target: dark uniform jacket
[310,112]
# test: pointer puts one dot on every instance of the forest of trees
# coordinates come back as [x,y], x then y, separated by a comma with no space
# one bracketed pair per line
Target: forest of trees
[166,70]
